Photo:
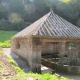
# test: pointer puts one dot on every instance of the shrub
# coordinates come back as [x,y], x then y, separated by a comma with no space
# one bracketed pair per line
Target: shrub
[72,44]
[5,43]
[5,24]
[20,25]
[16,26]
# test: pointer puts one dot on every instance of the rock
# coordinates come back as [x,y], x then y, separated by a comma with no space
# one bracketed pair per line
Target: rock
[30,78]
[6,74]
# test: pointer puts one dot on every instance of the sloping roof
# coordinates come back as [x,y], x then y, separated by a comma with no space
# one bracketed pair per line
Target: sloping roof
[50,25]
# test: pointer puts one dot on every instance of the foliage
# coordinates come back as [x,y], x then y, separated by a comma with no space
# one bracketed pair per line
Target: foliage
[16,24]
[19,25]
[5,38]
[1,51]
[15,18]
[72,44]
[5,25]
[66,1]
[16,14]
[5,43]
[16,6]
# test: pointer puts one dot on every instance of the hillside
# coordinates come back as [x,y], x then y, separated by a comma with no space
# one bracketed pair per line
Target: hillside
[5,37]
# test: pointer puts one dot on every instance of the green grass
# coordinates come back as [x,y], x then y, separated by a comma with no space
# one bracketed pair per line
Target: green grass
[21,75]
[12,62]
[1,51]
[5,37]
[43,76]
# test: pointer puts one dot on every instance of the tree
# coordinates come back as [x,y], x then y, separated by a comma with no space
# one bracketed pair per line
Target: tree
[16,6]
[68,11]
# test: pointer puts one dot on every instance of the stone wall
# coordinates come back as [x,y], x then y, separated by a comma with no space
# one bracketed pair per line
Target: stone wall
[50,47]
[20,47]
[28,50]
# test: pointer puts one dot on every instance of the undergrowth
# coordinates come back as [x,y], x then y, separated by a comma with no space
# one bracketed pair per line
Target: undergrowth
[1,51]
[21,75]
[5,37]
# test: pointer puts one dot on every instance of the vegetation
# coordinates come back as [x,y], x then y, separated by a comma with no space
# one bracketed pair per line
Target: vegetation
[1,51]
[21,75]
[5,38]
[72,44]
[17,14]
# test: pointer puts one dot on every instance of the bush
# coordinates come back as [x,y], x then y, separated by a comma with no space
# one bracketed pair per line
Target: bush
[5,24]
[5,43]
[72,44]
[17,26]
[20,25]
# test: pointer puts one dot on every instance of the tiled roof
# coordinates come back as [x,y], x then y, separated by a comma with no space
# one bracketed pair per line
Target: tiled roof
[50,25]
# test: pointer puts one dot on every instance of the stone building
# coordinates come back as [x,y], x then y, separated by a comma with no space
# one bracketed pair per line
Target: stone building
[51,34]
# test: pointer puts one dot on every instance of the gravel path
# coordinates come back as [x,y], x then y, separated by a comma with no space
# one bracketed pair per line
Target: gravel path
[22,64]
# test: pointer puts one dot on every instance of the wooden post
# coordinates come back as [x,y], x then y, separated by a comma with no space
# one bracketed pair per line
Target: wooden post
[62,52]
[35,55]
[77,49]
[66,48]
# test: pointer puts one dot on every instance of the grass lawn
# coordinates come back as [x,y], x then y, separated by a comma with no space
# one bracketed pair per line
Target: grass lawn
[5,37]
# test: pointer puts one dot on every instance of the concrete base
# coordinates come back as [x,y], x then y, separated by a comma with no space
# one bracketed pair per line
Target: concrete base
[61,68]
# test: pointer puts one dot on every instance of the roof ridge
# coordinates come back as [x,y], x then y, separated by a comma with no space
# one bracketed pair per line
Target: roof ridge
[31,29]
[42,23]
[51,25]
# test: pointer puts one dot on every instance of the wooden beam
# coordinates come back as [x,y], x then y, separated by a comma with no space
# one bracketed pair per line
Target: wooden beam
[72,28]
[57,26]
[64,26]
[57,31]
[47,30]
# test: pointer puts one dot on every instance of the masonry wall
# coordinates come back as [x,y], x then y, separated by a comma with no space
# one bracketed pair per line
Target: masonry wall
[20,47]
[50,47]
[29,50]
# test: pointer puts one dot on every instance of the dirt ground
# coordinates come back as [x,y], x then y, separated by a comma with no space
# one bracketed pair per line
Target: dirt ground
[21,63]
[6,70]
